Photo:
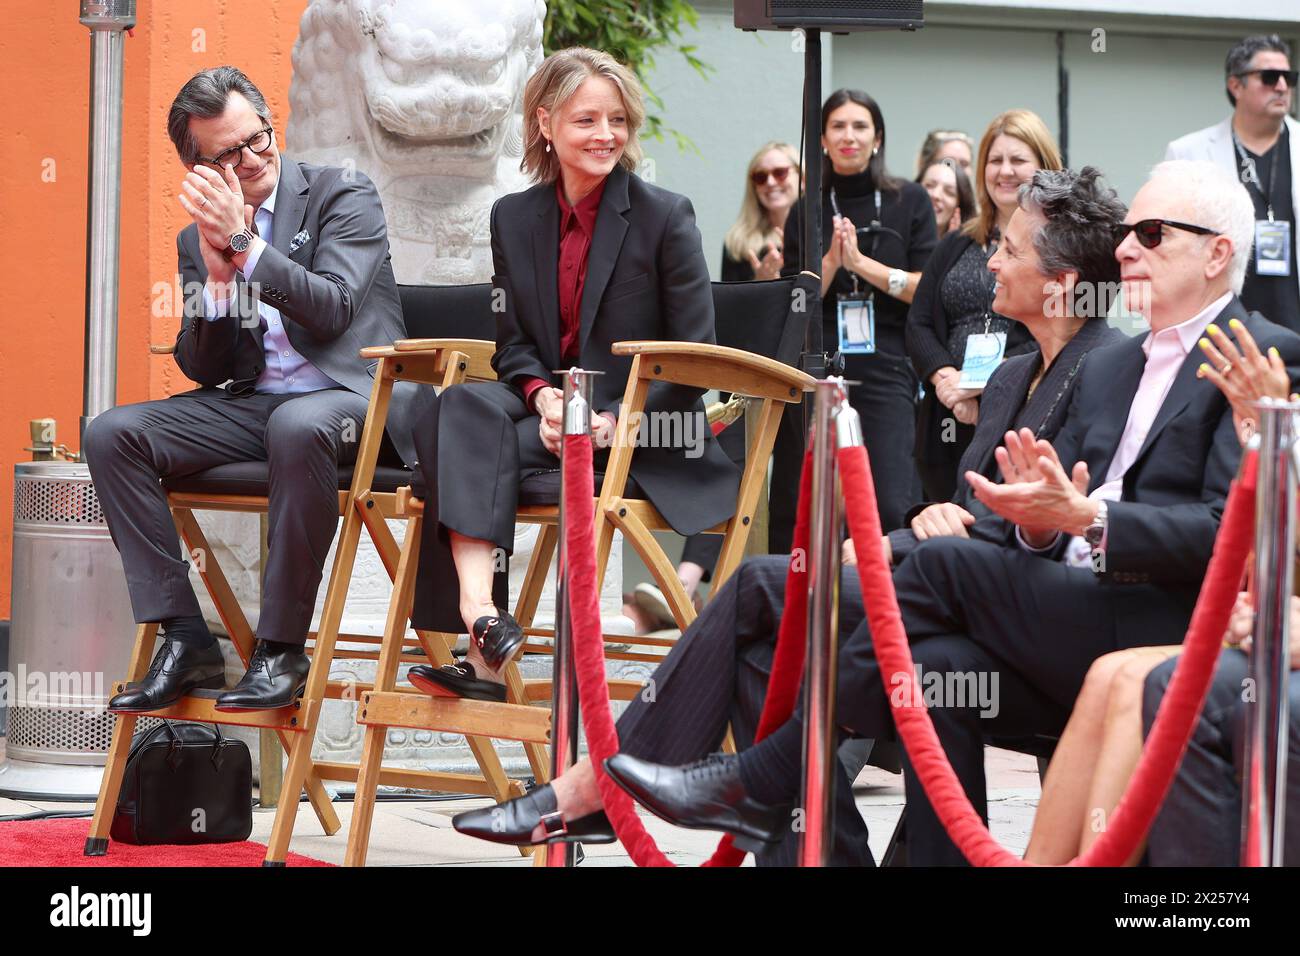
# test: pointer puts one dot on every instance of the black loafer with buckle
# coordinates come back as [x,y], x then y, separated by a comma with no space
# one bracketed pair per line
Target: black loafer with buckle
[513,822]
[497,638]
[455,680]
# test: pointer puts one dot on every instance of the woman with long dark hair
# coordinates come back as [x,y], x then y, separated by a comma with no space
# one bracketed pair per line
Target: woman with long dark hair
[877,233]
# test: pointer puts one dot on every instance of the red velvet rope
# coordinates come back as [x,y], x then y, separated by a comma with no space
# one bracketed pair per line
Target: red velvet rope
[1174,722]
[1137,808]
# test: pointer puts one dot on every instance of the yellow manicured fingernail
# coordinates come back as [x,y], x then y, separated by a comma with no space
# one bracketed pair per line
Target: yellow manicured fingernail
[1213,329]
[1235,324]
[1200,372]
[1272,350]
[1204,343]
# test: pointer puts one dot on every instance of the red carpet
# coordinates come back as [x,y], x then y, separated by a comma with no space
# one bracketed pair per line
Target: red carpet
[60,842]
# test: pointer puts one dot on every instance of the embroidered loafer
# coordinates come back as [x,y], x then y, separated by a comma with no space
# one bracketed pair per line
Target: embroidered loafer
[514,821]
[455,680]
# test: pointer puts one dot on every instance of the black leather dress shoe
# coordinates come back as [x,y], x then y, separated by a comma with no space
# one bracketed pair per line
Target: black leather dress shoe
[705,795]
[176,669]
[497,637]
[513,822]
[455,680]
[272,680]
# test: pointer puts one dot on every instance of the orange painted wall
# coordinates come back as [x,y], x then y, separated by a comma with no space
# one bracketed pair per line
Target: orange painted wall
[45,70]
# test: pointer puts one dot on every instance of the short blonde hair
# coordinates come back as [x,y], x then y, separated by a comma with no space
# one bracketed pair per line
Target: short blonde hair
[1025,126]
[554,84]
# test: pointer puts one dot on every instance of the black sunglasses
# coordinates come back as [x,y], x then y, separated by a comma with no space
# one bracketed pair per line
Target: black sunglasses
[1270,77]
[1149,232]
[259,143]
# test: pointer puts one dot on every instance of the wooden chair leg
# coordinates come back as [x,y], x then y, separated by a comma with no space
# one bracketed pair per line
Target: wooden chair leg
[548,535]
[110,784]
[295,778]
[242,636]
[372,747]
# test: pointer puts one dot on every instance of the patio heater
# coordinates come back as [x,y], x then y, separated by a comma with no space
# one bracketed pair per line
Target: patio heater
[72,628]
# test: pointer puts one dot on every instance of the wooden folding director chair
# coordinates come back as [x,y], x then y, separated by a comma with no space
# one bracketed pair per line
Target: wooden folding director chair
[367,497]
[773,383]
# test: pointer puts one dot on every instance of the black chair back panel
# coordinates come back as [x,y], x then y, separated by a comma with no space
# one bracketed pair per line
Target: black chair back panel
[763,317]
[448,311]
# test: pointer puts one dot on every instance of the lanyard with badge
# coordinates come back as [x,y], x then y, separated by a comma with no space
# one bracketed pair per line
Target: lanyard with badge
[856,310]
[984,351]
[1272,238]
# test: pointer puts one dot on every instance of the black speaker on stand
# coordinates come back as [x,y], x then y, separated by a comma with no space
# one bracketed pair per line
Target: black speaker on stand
[813,17]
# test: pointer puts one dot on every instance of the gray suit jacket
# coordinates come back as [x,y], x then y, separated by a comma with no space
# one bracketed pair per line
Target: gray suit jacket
[1215,144]
[335,292]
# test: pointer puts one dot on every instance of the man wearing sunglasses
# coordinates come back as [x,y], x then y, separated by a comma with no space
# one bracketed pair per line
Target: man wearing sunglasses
[1260,145]
[286,275]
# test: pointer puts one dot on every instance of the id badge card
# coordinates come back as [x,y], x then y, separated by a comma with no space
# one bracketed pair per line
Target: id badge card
[857,325]
[1272,248]
[983,356]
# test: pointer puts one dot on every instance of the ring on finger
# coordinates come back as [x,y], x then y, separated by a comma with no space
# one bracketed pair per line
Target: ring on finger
[1226,370]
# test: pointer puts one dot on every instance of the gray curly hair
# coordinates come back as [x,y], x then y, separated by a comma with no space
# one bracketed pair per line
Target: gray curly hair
[1081,215]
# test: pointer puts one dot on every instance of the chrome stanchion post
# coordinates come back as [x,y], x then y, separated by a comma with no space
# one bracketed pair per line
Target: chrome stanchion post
[1264,785]
[564,677]
[835,425]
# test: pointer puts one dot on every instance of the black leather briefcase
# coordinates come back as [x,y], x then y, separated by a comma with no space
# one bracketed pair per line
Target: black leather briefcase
[185,783]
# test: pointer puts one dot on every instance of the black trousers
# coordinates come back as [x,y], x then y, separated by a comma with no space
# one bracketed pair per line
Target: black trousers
[1199,824]
[886,402]
[717,674]
[474,444]
[303,437]
[984,616]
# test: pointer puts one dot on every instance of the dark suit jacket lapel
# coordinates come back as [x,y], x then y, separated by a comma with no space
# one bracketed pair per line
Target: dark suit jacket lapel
[1121,377]
[546,257]
[606,243]
[1186,383]
[290,205]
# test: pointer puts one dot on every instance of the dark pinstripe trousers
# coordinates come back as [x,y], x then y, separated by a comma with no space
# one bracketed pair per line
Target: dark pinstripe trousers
[717,674]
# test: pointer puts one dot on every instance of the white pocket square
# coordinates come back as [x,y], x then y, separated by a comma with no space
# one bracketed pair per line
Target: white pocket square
[300,240]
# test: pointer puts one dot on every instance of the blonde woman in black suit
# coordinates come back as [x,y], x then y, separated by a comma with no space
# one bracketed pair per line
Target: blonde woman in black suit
[589,256]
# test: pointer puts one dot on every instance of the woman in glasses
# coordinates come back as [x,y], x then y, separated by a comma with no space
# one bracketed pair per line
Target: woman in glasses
[952,315]
[752,248]
[877,233]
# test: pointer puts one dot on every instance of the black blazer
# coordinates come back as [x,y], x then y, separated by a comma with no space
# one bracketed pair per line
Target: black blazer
[1161,532]
[1005,405]
[927,340]
[646,279]
[334,288]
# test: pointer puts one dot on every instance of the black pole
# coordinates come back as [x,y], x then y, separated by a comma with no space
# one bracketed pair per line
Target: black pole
[814,358]
[1062,99]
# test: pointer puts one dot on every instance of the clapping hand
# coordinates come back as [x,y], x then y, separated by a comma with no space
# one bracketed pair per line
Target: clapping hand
[1244,376]
[769,267]
[1036,493]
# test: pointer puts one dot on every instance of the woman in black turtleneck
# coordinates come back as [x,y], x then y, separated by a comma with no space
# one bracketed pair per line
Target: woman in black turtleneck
[878,232]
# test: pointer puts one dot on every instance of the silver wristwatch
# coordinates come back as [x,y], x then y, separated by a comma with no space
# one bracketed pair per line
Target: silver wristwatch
[897,281]
[1095,533]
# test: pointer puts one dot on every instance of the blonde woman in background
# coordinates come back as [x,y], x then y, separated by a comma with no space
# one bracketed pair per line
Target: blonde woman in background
[752,248]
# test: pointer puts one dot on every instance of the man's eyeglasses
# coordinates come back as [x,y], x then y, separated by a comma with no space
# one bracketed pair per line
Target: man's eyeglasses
[1150,232]
[759,177]
[1270,77]
[259,143]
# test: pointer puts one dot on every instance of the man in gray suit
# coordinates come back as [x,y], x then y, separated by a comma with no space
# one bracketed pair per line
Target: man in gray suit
[1260,144]
[287,276]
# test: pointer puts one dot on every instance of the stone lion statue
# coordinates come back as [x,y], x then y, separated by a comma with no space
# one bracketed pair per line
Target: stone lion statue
[426,99]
